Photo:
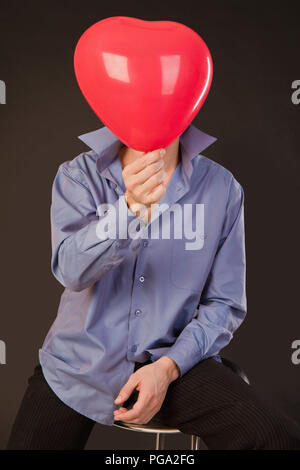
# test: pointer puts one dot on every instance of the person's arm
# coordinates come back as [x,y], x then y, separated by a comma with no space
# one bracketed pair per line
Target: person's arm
[79,256]
[222,306]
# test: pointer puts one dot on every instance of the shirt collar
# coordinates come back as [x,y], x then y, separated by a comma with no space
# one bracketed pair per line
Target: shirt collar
[193,141]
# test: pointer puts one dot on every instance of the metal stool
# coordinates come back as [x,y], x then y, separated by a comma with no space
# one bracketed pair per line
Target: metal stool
[161,431]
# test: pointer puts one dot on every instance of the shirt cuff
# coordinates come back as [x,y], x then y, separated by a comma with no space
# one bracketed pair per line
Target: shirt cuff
[186,353]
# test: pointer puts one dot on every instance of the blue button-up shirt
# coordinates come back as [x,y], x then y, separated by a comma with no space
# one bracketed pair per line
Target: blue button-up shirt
[131,298]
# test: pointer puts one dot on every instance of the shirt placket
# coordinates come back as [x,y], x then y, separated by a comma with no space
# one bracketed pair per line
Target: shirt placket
[177,188]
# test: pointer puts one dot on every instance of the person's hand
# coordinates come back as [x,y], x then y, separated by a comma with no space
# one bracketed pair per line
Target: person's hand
[144,185]
[152,382]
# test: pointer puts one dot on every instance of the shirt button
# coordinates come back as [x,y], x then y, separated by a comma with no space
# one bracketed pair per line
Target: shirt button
[138,312]
[134,348]
[141,278]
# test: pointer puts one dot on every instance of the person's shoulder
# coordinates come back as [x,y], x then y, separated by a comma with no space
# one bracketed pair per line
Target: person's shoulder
[219,173]
[80,167]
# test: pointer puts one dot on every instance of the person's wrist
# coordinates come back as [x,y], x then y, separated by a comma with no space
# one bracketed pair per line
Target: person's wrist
[139,210]
[131,204]
[127,199]
[170,366]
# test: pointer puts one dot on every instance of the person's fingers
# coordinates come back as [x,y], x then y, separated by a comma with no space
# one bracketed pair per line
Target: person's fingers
[145,186]
[144,175]
[126,390]
[139,407]
[142,191]
[120,410]
[156,194]
[142,162]
[155,180]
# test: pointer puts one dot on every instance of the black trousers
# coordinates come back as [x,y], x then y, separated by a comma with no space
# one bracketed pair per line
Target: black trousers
[210,401]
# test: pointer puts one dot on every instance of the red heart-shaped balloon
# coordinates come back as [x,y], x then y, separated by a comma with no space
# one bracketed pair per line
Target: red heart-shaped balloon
[145,80]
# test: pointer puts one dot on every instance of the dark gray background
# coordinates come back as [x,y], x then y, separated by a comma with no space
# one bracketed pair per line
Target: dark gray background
[255,49]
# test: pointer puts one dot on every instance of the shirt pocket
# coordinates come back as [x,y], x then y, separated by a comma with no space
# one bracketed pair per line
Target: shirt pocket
[190,267]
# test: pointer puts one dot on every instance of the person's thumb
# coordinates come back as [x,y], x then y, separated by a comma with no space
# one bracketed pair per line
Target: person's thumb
[126,391]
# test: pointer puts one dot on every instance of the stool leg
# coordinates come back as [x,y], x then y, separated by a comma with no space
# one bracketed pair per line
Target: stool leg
[195,442]
[160,441]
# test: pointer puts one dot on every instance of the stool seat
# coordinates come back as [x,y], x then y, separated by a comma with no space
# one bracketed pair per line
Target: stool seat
[146,427]
[160,432]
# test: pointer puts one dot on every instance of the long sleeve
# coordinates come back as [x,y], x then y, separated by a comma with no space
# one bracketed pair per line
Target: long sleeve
[222,306]
[81,253]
